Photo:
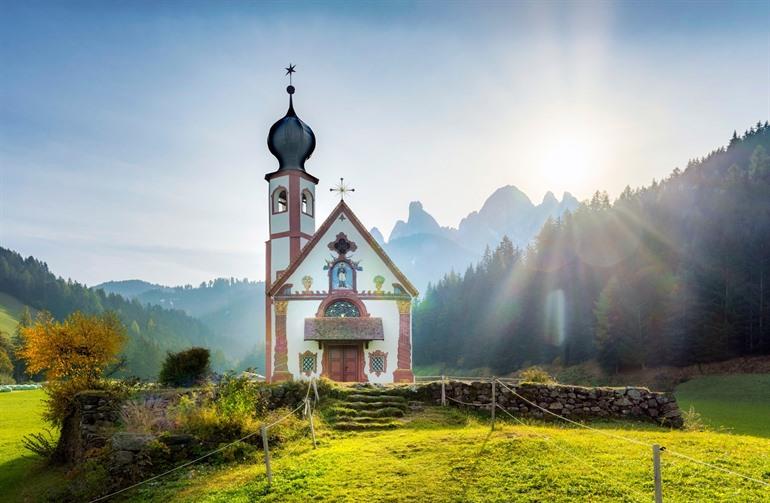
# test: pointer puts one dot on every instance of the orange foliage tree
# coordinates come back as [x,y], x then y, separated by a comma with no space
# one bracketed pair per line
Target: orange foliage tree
[79,348]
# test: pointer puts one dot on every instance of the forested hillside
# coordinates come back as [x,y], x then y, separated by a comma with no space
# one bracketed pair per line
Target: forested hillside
[673,273]
[152,330]
[234,309]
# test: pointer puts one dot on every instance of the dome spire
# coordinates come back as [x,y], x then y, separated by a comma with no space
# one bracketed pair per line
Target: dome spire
[290,140]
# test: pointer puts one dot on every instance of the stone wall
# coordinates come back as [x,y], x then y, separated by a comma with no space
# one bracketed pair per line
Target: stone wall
[574,402]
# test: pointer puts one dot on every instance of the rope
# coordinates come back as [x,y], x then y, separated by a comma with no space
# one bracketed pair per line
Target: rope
[683,456]
[101,498]
[638,442]
[580,460]
[485,405]
[220,449]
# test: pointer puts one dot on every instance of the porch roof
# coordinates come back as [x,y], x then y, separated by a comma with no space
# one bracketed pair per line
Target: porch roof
[344,329]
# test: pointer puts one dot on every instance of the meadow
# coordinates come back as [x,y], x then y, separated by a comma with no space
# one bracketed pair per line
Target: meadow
[441,454]
[22,472]
[738,403]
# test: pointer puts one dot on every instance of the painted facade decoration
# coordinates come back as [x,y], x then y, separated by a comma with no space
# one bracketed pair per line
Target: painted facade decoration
[343,329]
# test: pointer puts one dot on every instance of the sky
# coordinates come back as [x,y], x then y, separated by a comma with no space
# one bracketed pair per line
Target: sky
[133,134]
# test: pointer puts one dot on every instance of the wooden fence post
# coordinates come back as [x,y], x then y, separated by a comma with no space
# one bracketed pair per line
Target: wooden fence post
[443,392]
[310,415]
[267,455]
[494,402]
[656,471]
[315,389]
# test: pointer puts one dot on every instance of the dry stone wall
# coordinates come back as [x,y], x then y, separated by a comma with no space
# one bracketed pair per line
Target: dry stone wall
[574,402]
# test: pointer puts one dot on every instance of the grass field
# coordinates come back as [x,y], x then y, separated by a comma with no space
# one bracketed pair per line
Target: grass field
[448,455]
[22,472]
[739,403]
[439,455]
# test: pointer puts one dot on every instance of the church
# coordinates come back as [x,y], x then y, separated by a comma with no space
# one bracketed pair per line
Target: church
[336,306]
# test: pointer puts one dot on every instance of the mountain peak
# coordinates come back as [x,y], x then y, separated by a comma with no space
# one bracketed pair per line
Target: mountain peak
[549,199]
[418,222]
[377,235]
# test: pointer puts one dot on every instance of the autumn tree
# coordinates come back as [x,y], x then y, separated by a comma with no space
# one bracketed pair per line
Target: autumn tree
[79,348]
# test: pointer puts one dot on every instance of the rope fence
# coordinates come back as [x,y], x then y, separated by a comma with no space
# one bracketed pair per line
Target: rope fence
[307,404]
[657,449]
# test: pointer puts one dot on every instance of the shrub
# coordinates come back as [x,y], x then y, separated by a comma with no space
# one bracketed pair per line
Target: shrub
[239,396]
[146,415]
[6,379]
[693,420]
[42,445]
[185,368]
[536,375]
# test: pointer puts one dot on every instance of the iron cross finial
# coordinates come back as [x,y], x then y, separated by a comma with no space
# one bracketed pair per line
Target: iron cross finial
[341,189]
[289,70]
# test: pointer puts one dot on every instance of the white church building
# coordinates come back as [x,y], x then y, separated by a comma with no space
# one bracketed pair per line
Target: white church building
[336,305]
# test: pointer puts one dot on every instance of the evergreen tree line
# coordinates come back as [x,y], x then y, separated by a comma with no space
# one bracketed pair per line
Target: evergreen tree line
[151,330]
[674,273]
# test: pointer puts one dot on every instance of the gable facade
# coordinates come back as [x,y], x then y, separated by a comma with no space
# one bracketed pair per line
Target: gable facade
[342,309]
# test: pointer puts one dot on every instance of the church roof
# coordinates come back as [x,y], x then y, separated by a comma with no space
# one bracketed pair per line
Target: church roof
[342,207]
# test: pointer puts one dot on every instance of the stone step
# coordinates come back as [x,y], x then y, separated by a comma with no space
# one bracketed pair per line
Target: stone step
[363,419]
[355,425]
[374,398]
[374,405]
[336,412]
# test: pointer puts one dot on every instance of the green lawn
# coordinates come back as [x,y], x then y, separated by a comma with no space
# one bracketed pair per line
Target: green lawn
[448,456]
[20,470]
[442,454]
[738,403]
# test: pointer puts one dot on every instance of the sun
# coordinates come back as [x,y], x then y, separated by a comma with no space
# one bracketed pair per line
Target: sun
[567,160]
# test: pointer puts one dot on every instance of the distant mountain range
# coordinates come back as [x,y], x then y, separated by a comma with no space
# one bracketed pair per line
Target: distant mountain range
[233,309]
[425,251]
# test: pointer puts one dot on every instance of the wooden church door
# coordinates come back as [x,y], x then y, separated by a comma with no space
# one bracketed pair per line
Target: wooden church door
[343,363]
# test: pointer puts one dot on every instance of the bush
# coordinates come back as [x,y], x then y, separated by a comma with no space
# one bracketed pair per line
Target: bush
[146,415]
[6,379]
[186,368]
[42,445]
[536,375]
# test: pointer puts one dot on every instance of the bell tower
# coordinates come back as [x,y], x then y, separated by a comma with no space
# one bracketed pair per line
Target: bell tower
[291,193]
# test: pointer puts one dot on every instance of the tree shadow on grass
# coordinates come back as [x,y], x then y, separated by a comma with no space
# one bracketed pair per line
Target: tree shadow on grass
[28,478]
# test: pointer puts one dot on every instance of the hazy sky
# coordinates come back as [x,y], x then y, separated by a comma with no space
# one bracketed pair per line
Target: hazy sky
[132,134]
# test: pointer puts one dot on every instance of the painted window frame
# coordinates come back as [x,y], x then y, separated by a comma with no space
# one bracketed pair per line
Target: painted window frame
[377,355]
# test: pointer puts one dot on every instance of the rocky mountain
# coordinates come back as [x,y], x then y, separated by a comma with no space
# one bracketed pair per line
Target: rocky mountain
[426,251]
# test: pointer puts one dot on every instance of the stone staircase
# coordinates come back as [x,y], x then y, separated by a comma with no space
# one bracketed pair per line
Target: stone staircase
[368,408]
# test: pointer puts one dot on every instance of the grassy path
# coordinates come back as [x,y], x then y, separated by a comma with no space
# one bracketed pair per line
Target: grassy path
[446,456]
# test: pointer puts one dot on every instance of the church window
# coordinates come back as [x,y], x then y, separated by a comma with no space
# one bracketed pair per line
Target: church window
[308,363]
[280,200]
[378,362]
[307,203]
[342,309]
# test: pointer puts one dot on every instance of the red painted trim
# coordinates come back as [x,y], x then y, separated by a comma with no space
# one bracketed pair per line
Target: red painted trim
[287,234]
[302,174]
[295,207]
[268,317]
[334,297]
[343,207]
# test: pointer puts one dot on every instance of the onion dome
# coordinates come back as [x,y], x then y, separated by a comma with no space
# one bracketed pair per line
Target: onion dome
[290,140]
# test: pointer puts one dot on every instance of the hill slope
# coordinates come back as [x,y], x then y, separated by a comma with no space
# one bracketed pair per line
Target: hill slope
[151,330]
[10,312]
[232,309]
